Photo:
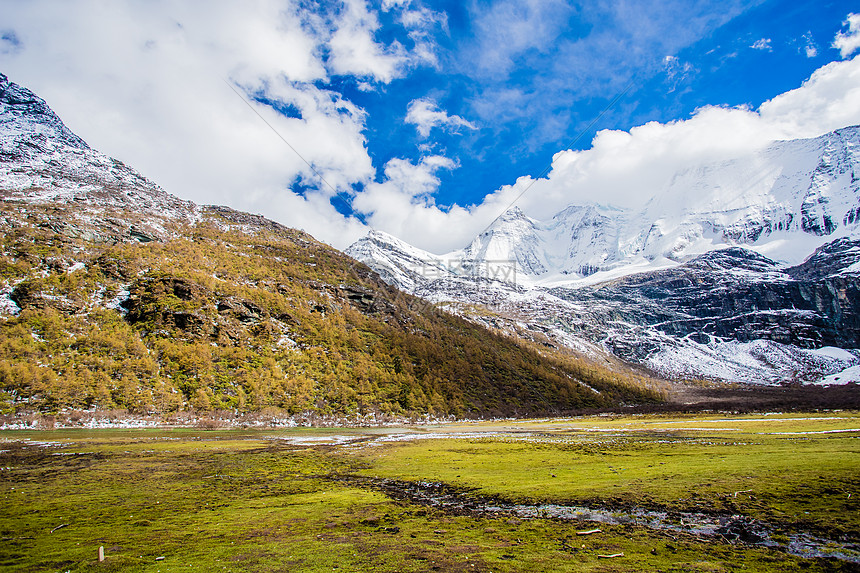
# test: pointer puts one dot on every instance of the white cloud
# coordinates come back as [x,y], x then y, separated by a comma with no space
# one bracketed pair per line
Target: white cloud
[828,100]
[626,168]
[848,42]
[148,83]
[508,28]
[762,44]
[312,213]
[422,23]
[9,42]
[810,48]
[676,71]
[355,51]
[426,115]
[403,205]
[389,4]
[595,50]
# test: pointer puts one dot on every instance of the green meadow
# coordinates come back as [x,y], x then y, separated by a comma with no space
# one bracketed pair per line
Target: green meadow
[309,499]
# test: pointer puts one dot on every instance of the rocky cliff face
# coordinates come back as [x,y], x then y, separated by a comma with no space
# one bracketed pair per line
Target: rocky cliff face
[735,294]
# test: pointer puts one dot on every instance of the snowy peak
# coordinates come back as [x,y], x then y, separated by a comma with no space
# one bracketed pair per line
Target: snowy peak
[513,238]
[841,257]
[397,262]
[733,259]
[783,202]
[24,114]
[826,204]
[42,161]
[512,214]
[382,238]
[586,238]
[806,185]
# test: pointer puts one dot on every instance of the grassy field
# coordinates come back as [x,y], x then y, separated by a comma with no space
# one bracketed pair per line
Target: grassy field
[310,499]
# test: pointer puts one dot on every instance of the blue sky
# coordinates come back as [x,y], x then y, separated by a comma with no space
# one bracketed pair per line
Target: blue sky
[531,97]
[426,119]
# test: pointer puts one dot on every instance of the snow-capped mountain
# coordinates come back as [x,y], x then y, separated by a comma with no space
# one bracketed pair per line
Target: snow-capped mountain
[41,160]
[512,239]
[708,279]
[397,262]
[783,202]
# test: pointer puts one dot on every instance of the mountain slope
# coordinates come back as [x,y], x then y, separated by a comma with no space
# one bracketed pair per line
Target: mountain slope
[115,294]
[42,161]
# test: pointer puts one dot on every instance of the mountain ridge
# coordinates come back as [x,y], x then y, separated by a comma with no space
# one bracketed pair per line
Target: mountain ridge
[774,235]
[783,201]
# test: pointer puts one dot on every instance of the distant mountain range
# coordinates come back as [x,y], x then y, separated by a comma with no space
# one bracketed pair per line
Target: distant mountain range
[115,295]
[742,270]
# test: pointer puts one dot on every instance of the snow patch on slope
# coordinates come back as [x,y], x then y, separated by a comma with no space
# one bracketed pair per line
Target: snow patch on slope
[847,376]
[753,362]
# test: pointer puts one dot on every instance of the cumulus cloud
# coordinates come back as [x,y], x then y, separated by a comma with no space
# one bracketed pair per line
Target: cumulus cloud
[151,84]
[426,115]
[355,51]
[626,168]
[847,42]
[828,100]
[403,205]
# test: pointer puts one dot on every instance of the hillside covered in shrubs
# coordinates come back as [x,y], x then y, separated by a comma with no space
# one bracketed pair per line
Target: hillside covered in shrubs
[234,312]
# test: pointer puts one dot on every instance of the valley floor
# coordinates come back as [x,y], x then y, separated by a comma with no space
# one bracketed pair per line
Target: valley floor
[763,492]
